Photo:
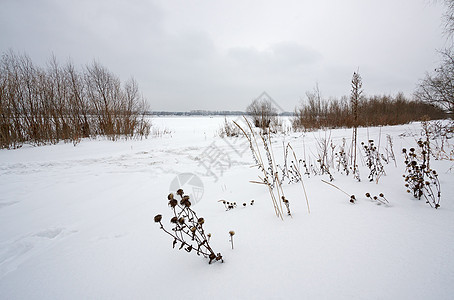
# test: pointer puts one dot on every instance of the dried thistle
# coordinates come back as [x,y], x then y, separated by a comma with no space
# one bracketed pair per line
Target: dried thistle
[188,228]
[420,178]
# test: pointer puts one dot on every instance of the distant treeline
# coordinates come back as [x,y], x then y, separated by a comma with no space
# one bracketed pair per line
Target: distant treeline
[372,111]
[207,113]
[47,105]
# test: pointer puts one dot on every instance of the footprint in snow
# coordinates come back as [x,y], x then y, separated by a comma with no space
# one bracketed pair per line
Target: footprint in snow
[49,233]
[15,253]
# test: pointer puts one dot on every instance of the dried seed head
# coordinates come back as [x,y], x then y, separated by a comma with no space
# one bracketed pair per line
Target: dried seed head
[404,150]
[173,203]
[180,192]
[158,218]
[375,197]
[193,229]
[181,220]
[209,235]
[353,197]
[232,233]
[174,220]
[244,204]
[170,196]
[367,195]
[381,195]
[201,221]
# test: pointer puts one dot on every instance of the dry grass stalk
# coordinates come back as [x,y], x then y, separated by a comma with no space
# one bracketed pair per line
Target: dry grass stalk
[269,170]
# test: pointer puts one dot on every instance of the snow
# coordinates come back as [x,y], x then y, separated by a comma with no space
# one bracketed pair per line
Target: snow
[77,223]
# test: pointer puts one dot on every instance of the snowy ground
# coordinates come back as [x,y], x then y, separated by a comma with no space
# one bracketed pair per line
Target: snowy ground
[77,223]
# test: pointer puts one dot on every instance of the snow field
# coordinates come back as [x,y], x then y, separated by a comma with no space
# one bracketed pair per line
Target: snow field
[77,223]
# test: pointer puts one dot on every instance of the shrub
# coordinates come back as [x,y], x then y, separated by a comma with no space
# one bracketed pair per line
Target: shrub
[229,129]
[420,179]
[41,106]
[263,114]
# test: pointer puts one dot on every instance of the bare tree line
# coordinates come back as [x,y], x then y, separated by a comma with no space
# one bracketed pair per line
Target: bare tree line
[47,105]
[317,112]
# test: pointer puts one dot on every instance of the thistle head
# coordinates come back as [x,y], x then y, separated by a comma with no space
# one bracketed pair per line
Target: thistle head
[158,218]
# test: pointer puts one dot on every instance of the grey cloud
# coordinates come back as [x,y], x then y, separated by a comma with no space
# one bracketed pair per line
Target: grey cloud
[220,54]
[279,55]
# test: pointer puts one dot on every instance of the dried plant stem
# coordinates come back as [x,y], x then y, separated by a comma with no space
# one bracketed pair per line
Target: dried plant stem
[254,145]
[336,187]
[301,178]
[276,174]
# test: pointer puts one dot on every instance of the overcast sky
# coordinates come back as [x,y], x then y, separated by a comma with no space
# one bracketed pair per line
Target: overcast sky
[220,55]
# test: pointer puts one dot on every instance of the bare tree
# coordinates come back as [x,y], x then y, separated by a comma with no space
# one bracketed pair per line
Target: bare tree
[262,112]
[448,18]
[438,88]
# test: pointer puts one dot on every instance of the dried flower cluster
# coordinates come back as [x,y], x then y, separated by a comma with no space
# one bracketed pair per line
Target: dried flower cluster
[420,179]
[231,205]
[380,199]
[188,228]
[373,161]
[342,159]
